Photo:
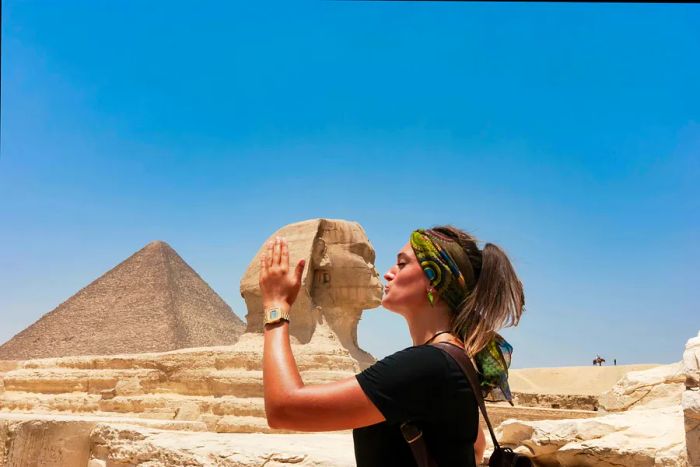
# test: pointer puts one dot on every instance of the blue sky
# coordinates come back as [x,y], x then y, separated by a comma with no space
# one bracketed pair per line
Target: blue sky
[567,133]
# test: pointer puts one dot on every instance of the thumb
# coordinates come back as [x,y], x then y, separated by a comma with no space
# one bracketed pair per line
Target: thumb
[298,271]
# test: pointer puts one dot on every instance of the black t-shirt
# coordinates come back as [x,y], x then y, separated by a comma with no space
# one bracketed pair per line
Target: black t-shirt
[426,386]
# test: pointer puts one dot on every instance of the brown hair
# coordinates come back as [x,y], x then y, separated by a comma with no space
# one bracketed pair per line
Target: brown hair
[497,299]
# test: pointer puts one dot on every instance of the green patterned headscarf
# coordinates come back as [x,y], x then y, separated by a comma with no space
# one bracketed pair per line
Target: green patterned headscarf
[445,264]
[492,363]
[451,275]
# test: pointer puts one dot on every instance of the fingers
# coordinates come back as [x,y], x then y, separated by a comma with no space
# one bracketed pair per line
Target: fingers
[277,245]
[264,269]
[268,254]
[299,271]
[284,255]
[276,254]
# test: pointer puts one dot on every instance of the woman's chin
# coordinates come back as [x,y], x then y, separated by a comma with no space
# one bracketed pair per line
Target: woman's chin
[387,304]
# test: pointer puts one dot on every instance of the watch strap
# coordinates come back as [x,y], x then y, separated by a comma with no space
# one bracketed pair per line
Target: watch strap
[274,314]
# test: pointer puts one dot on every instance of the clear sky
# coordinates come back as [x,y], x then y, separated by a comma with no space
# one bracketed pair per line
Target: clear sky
[567,133]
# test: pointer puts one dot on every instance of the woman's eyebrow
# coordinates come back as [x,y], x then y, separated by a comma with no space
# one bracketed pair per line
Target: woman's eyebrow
[401,255]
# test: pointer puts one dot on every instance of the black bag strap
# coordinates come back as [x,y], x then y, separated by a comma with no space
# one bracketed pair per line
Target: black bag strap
[414,437]
[458,354]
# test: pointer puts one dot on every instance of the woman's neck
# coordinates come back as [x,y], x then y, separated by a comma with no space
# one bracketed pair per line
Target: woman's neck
[424,324]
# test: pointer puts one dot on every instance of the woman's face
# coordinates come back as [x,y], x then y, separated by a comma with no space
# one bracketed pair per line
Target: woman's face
[406,283]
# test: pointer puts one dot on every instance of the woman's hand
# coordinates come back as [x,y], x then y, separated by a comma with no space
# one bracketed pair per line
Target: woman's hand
[279,286]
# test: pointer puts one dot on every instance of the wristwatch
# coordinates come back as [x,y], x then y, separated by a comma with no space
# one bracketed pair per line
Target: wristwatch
[275,314]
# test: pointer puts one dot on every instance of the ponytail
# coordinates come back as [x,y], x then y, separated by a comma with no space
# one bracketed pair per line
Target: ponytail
[497,299]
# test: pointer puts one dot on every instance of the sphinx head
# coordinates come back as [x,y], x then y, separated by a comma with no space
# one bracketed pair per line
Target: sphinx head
[339,282]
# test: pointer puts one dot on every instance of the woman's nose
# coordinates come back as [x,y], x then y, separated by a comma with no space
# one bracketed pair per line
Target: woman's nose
[389,275]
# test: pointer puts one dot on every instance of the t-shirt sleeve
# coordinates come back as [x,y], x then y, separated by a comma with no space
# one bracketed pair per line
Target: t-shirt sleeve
[406,385]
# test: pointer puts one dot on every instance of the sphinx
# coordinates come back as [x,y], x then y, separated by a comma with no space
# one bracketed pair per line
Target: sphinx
[338,284]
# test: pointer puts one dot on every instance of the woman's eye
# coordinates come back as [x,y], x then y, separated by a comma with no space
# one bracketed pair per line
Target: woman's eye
[400,265]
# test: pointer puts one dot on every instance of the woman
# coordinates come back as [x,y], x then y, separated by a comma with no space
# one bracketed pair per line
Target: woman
[447,289]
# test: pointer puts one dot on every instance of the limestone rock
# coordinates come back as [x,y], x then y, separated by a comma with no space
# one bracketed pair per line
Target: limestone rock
[657,387]
[691,362]
[644,437]
[338,283]
[691,418]
[657,423]
[35,440]
[220,388]
[128,445]
[556,401]
[691,399]
[44,442]
[151,302]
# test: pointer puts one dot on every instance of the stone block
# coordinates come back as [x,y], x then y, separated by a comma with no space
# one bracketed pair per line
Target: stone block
[657,387]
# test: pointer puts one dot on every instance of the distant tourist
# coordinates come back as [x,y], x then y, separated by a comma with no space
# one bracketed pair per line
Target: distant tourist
[598,360]
[615,361]
[448,291]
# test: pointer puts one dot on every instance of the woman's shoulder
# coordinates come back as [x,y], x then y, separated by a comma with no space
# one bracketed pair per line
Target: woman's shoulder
[420,360]
[425,351]
[406,384]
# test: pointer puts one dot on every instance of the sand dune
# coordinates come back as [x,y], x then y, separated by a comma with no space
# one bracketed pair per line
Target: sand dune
[580,380]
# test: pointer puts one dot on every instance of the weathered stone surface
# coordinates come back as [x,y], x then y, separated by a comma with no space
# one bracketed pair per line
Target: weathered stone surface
[656,423]
[338,283]
[68,441]
[44,442]
[657,387]
[691,399]
[20,418]
[126,445]
[151,302]
[644,437]
[556,401]
[691,419]
[215,389]
[502,411]
[691,362]
[219,387]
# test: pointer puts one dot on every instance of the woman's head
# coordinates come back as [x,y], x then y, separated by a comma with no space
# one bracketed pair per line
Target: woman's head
[407,284]
[479,287]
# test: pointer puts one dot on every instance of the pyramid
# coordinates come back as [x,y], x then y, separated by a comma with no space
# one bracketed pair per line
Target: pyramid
[151,302]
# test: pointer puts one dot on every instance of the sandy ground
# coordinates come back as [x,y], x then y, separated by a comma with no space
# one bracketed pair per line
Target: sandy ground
[581,380]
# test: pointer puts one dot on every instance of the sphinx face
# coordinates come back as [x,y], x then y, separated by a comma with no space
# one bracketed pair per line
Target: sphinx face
[344,276]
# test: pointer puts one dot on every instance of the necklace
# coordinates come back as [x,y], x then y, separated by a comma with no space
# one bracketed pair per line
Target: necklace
[434,336]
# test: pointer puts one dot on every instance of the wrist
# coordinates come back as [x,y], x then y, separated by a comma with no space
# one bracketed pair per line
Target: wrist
[275,313]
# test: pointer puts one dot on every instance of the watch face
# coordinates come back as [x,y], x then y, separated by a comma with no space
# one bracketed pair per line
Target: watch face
[274,314]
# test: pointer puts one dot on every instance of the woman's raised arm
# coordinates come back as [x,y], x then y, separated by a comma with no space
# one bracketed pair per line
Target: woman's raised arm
[289,403]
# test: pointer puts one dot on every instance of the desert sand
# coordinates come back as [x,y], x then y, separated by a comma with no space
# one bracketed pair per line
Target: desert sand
[584,380]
